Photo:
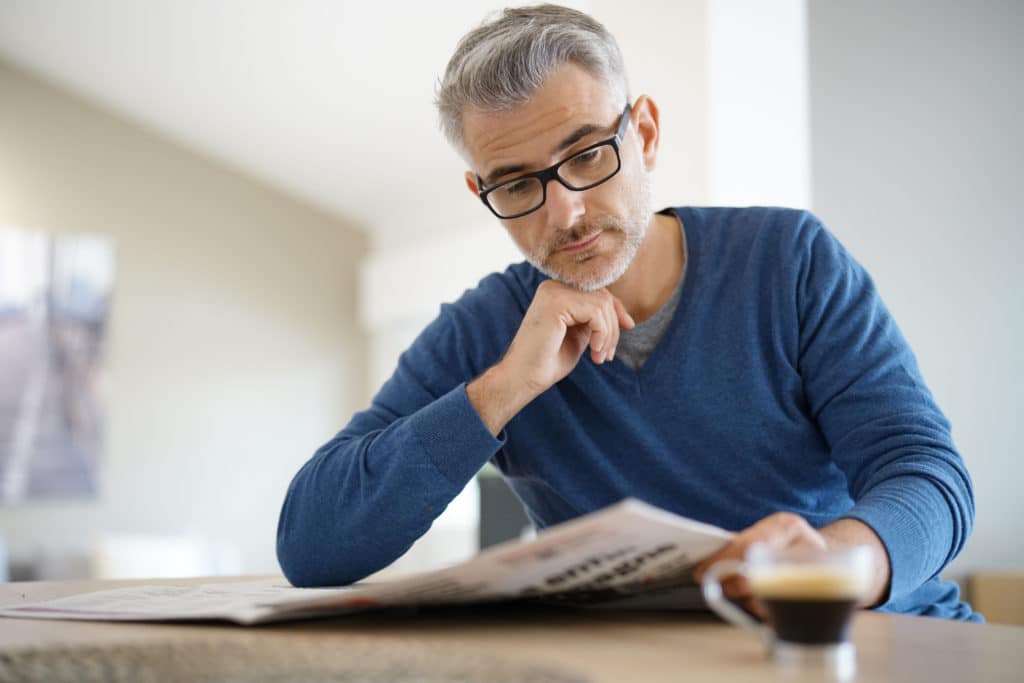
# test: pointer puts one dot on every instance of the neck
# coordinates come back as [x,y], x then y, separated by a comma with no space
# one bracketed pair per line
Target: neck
[655,271]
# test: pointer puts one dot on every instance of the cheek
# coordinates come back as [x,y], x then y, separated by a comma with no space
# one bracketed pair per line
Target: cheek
[526,237]
[608,198]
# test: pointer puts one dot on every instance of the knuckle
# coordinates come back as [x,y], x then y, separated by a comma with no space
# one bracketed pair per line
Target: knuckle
[549,288]
[801,526]
[788,520]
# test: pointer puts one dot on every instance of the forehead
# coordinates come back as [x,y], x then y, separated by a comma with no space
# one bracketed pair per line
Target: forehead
[530,133]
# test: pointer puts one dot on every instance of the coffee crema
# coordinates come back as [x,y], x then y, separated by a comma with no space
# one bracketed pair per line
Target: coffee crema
[808,604]
[807,582]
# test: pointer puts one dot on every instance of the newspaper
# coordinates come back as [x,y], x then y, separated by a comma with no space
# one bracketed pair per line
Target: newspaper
[628,549]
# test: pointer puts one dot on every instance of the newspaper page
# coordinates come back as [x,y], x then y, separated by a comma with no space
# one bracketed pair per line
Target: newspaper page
[630,548]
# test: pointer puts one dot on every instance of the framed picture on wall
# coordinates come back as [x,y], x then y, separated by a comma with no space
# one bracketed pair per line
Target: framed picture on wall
[55,294]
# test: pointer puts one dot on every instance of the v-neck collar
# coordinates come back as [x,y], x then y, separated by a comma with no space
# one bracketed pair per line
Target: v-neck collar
[649,367]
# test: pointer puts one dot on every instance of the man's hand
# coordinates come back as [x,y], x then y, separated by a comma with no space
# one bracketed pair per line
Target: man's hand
[784,530]
[855,532]
[559,325]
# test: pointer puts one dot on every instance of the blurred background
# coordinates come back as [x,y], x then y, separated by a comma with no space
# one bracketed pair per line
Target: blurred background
[286,218]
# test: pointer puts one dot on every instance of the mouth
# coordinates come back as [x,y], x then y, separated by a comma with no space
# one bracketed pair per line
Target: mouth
[581,245]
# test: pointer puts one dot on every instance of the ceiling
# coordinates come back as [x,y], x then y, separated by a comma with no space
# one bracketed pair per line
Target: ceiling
[330,101]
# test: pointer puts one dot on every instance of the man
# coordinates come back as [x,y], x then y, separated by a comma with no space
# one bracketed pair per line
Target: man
[733,366]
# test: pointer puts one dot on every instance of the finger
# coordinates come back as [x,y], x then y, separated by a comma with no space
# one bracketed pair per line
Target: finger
[625,319]
[736,587]
[578,337]
[588,315]
[613,328]
[600,317]
[733,551]
[754,606]
[785,529]
[599,333]
[780,530]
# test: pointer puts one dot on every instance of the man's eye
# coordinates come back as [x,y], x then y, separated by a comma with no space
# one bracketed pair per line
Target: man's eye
[515,189]
[587,158]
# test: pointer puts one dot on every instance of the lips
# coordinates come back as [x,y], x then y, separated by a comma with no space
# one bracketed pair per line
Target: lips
[581,244]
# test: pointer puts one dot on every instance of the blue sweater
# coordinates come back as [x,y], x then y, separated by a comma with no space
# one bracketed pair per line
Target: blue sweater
[782,383]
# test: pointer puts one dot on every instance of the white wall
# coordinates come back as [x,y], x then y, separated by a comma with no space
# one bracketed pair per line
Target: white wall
[918,166]
[234,350]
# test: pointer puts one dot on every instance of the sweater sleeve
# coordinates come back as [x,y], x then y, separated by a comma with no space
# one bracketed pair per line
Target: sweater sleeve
[885,431]
[372,490]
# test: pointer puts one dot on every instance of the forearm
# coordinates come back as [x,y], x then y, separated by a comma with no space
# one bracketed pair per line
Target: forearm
[921,520]
[368,494]
[497,397]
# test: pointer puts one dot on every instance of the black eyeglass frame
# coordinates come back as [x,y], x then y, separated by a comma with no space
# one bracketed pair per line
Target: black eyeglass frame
[551,172]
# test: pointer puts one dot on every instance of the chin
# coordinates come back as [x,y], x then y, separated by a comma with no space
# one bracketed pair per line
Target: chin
[591,270]
[592,274]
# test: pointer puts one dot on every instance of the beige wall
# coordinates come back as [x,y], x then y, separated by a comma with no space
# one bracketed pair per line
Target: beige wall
[234,346]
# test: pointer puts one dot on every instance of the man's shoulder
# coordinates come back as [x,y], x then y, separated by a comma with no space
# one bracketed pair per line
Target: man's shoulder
[500,293]
[749,219]
[765,231]
[471,332]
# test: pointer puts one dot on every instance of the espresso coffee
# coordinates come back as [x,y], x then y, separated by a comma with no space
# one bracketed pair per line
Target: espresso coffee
[808,604]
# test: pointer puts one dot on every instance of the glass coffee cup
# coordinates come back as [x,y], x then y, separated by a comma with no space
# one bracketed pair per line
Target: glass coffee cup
[808,596]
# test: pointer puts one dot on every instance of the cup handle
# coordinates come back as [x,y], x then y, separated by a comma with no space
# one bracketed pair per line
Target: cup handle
[711,587]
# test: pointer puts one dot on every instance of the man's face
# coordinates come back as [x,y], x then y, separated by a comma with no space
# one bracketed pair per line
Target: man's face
[585,239]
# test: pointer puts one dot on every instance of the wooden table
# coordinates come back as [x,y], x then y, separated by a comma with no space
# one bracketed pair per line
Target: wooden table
[493,644]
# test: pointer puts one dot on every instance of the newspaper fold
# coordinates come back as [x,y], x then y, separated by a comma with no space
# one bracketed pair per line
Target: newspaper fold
[628,549]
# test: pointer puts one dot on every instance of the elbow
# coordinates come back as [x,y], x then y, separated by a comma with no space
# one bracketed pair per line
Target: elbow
[312,556]
[304,567]
[295,562]
[295,565]
[965,508]
[297,548]
[304,563]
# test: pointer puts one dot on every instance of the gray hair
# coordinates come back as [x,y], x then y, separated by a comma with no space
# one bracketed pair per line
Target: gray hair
[501,63]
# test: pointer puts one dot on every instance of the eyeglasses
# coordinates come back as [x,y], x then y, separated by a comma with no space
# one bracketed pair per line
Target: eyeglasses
[585,169]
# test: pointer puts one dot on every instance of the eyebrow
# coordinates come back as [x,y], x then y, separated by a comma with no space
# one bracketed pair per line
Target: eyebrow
[567,142]
[577,135]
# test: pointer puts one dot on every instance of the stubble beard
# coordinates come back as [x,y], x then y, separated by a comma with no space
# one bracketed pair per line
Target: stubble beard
[632,226]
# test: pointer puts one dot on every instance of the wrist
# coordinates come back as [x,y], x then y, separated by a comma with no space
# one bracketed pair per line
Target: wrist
[497,396]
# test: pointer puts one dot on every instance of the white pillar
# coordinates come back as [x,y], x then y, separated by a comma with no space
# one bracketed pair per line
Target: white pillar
[758,103]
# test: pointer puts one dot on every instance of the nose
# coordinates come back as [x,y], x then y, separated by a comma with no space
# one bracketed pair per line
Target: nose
[565,207]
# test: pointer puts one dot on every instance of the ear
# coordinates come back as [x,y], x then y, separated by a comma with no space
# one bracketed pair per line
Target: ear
[471,184]
[646,122]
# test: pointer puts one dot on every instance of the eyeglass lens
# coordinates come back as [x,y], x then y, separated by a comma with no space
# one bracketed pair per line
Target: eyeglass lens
[586,169]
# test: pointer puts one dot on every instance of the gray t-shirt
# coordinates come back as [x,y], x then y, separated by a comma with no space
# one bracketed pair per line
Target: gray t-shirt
[636,345]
